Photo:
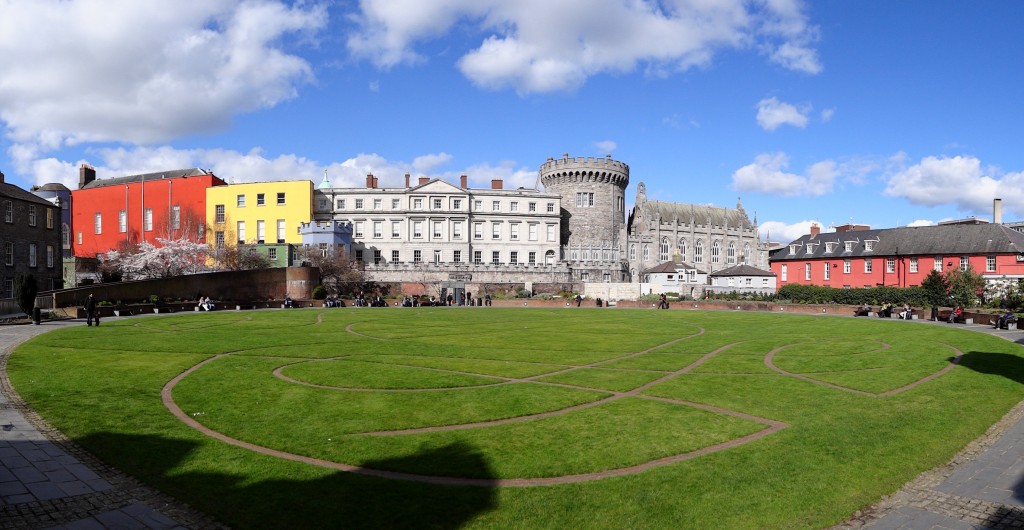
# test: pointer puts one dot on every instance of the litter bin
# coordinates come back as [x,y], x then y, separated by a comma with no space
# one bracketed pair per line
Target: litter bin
[36,315]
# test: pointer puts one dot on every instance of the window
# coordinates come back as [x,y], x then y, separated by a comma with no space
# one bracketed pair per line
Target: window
[358,229]
[478,257]
[730,254]
[122,221]
[377,204]
[847,266]
[646,253]
[9,288]
[584,199]
[241,231]
[632,252]
[715,251]
[513,206]
[79,239]
[31,215]
[65,235]
[261,199]
[280,199]
[913,264]
[513,257]
[147,220]
[49,256]
[478,230]
[514,234]
[49,218]
[417,256]
[551,207]
[457,256]
[698,251]
[175,217]
[848,245]
[495,257]
[829,247]
[395,255]
[8,253]
[396,229]
[341,204]
[478,205]
[964,263]
[378,229]
[272,253]
[663,250]
[417,229]
[395,204]
[437,257]
[495,206]
[495,230]
[417,204]
[784,272]
[219,213]
[807,272]
[457,230]
[938,263]
[261,231]
[531,207]
[437,203]
[9,211]
[359,254]
[990,263]
[827,272]
[531,232]
[241,201]
[890,265]
[359,204]
[280,230]
[456,204]
[867,266]
[377,257]
[584,276]
[551,232]
[746,253]
[97,223]
[32,258]
[437,229]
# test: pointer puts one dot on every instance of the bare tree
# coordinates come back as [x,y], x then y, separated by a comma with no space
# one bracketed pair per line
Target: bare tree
[339,273]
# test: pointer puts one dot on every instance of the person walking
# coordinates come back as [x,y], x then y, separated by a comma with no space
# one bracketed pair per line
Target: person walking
[90,310]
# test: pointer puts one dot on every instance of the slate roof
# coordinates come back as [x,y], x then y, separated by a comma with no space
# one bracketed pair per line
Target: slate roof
[10,191]
[742,270]
[941,240]
[699,214]
[131,179]
[669,267]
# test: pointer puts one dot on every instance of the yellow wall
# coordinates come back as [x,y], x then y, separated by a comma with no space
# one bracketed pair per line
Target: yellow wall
[297,208]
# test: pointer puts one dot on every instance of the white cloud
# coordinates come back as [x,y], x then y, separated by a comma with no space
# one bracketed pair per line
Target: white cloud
[541,46]
[826,115]
[921,222]
[767,175]
[428,163]
[606,146]
[959,181]
[771,113]
[784,233]
[144,72]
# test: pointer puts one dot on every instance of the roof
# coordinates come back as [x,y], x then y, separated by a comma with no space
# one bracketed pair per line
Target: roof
[53,186]
[742,270]
[941,240]
[698,214]
[10,191]
[669,267]
[131,179]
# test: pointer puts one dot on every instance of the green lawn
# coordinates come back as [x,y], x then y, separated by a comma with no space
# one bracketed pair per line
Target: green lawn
[702,419]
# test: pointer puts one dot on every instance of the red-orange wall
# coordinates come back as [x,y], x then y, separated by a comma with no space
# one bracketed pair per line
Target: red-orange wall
[1006,264]
[159,194]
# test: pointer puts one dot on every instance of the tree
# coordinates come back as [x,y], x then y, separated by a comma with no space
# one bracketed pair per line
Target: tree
[173,257]
[965,286]
[25,290]
[936,288]
[338,272]
[239,258]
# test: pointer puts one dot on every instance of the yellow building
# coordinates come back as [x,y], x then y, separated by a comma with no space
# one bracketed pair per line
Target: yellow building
[258,213]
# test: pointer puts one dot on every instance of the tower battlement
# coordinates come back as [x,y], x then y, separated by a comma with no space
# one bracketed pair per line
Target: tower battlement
[568,169]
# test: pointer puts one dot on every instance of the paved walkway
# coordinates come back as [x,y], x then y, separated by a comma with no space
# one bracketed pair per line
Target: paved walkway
[46,481]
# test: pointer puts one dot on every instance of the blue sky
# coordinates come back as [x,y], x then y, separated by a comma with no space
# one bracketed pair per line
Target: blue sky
[874,112]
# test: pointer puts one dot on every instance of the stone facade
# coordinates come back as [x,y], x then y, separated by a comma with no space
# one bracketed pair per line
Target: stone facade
[29,239]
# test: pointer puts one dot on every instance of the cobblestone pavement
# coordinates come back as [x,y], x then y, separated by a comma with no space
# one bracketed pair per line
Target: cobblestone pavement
[46,481]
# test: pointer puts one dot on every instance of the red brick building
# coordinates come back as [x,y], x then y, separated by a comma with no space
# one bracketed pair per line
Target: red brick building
[110,212]
[856,256]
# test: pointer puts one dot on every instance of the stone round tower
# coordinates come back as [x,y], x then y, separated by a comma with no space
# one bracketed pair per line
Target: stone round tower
[593,198]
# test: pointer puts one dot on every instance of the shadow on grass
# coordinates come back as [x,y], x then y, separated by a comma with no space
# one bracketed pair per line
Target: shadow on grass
[339,500]
[1004,364]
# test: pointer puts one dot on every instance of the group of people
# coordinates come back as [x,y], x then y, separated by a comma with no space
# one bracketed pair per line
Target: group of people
[885,311]
[332,300]
[662,301]
[205,304]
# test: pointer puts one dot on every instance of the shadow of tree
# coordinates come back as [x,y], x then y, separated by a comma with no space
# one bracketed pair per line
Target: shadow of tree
[1004,364]
[339,500]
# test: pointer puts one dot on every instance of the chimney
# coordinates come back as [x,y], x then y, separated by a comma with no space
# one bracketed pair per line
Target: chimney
[406,180]
[997,211]
[464,182]
[375,183]
[495,184]
[86,174]
[424,180]
[369,180]
[815,230]
[1,177]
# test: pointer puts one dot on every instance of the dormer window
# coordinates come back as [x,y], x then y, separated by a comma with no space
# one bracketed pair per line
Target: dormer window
[792,249]
[829,247]
[869,245]
[810,248]
[849,246]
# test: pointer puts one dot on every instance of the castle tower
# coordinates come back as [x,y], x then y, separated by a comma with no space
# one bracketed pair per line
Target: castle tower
[593,211]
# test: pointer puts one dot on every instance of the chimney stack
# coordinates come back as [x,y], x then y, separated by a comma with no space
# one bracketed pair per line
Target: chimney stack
[495,184]
[406,180]
[424,180]
[86,174]
[997,211]
[815,230]
[464,182]
[1,177]
[369,180]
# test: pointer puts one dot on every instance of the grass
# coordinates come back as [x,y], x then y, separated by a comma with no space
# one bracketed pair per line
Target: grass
[352,381]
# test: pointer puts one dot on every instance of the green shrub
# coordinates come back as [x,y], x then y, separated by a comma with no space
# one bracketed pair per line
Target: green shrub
[25,290]
[319,292]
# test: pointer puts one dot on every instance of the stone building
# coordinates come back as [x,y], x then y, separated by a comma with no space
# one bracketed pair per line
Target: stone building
[29,239]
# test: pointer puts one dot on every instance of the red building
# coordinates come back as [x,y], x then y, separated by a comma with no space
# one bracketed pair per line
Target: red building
[110,212]
[854,257]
